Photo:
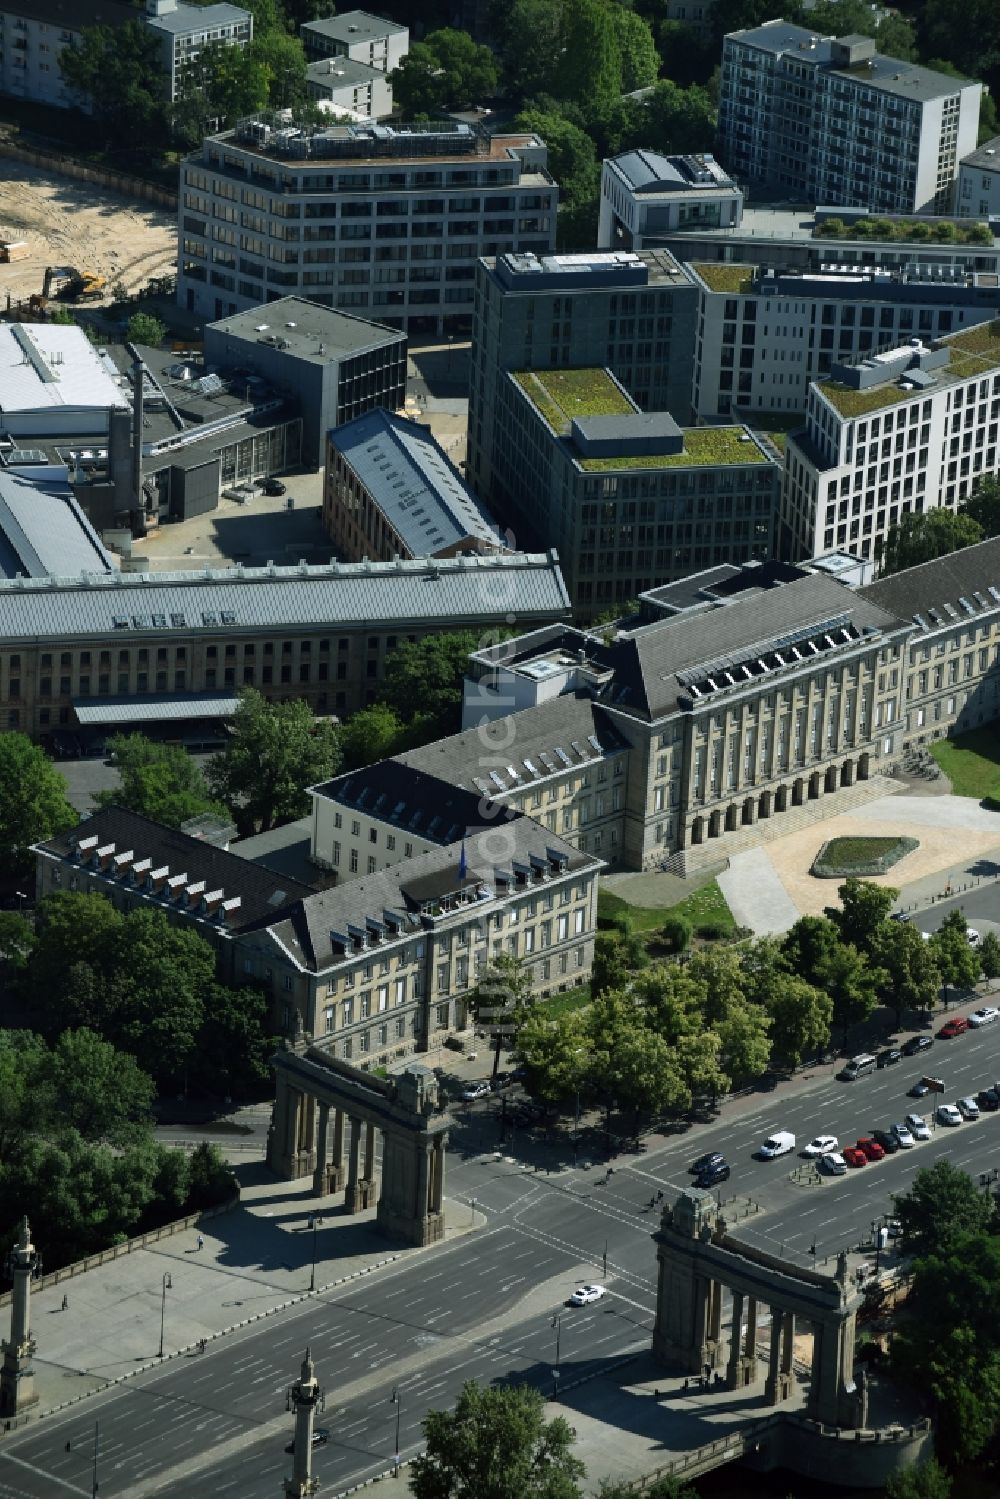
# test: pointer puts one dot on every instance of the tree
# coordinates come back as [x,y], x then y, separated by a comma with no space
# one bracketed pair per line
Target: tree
[235,1043]
[33,803]
[956,958]
[63,974]
[274,752]
[676,119]
[160,781]
[371,734]
[425,678]
[527,33]
[24,1100]
[863,912]
[661,1488]
[983,505]
[500,1002]
[965,33]
[634,1069]
[496,1444]
[146,329]
[813,949]
[17,939]
[100,1092]
[989,955]
[119,73]
[640,61]
[589,72]
[913,980]
[616,959]
[942,1209]
[159,976]
[920,538]
[283,61]
[801,1014]
[926,1480]
[572,156]
[556,1055]
[447,70]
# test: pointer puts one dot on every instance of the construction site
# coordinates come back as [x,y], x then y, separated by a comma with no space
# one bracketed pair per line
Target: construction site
[95,242]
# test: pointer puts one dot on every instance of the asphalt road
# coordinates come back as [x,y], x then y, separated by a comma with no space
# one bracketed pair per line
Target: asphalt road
[482,1306]
[981,906]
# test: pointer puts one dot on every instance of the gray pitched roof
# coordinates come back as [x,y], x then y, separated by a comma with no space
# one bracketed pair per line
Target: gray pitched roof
[414,800]
[413,482]
[945,581]
[43,531]
[520,741]
[309,931]
[457,591]
[262,894]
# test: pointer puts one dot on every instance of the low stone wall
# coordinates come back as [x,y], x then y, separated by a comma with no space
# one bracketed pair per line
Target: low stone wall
[166,1231]
[65,166]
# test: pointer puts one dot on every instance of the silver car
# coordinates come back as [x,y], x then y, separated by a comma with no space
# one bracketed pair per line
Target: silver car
[918,1127]
[968,1108]
[903,1135]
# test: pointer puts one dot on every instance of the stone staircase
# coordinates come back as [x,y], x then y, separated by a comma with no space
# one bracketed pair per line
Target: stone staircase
[830,804]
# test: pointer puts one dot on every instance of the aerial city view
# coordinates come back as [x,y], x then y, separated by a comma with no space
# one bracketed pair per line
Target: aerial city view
[500,749]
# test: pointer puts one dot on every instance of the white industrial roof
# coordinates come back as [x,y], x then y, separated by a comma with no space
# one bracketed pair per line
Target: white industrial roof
[50,366]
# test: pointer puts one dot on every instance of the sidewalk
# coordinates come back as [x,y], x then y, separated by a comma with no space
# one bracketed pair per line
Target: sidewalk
[254,1259]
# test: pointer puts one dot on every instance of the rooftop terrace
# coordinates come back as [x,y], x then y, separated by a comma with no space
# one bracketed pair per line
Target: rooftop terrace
[561,395]
[703,446]
[974,351]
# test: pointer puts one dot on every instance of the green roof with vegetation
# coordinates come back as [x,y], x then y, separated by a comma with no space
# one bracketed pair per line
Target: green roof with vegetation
[911,231]
[723,276]
[703,447]
[851,402]
[561,395]
[974,351]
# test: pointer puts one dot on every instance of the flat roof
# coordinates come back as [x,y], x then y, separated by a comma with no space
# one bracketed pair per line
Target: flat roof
[525,272]
[985,157]
[52,367]
[413,482]
[195,18]
[887,74]
[647,172]
[341,72]
[353,26]
[972,351]
[704,447]
[156,707]
[306,330]
[563,395]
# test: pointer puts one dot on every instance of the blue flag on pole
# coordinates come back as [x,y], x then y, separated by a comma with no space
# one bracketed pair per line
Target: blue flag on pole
[463,863]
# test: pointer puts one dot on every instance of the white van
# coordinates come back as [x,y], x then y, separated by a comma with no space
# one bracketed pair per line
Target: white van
[780,1143]
[858,1066]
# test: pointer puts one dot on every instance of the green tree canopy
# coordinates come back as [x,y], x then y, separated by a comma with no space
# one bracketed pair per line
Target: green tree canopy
[274,752]
[989,955]
[17,939]
[496,1444]
[371,734]
[965,33]
[33,803]
[800,1013]
[283,61]
[161,781]
[589,73]
[863,912]
[913,980]
[143,328]
[447,70]
[501,1001]
[921,538]
[639,59]
[676,120]
[572,156]
[528,41]
[957,960]
[814,950]
[424,679]
[926,1480]
[119,74]
[941,1210]
[236,1043]
[634,1069]
[556,1054]
[983,505]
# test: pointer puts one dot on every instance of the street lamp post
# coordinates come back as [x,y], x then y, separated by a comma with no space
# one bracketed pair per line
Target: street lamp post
[314,1223]
[167,1285]
[576,1130]
[557,1324]
[396,1399]
[97,1448]
[605,1266]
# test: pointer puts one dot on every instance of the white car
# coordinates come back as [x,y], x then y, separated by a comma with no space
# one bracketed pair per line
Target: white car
[822,1145]
[985,1016]
[902,1135]
[584,1295]
[968,1108]
[948,1114]
[476,1090]
[780,1143]
[918,1126]
[974,937]
[834,1163]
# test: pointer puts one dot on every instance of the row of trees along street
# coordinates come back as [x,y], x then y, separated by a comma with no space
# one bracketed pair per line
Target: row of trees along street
[662,1037]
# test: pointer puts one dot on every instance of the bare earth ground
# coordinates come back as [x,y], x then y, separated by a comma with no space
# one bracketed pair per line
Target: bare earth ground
[66,222]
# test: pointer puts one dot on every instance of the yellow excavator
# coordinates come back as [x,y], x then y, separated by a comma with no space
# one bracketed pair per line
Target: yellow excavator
[70,284]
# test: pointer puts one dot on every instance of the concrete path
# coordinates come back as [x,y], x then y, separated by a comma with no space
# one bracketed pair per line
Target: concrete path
[755,894]
[931,812]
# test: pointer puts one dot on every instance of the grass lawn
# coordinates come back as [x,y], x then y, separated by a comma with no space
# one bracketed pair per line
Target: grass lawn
[707,904]
[561,1004]
[971,762]
[860,856]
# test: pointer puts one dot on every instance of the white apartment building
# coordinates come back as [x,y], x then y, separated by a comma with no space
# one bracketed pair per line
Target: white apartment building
[34,32]
[185,30]
[349,89]
[977,192]
[645,195]
[907,430]
[357,35]
[385,221]
[764,334]
[828,120]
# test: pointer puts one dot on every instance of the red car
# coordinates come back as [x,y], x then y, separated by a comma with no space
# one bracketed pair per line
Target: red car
[855,1157]
[871,1148]
[952,1028]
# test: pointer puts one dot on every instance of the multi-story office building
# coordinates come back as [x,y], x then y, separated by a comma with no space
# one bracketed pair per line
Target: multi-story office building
[906,430]
[823,120]
[386,221]
[379,967]
[336,365]
[184,31]
[764,334]
[349,89]
[136,649]
[358,36]
[392,491]
[635,313]
[645,194]
[628,498]
[977,192]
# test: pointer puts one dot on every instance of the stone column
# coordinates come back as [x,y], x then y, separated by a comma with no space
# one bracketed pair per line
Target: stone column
[774,1354]
[779,1372]
[284,1155]
[366,1186]
[17,1377]
[736,1333]
[714,1324]
[320,1175]
[437,1198]
[787,1342]
[352,1198]
[750,1349]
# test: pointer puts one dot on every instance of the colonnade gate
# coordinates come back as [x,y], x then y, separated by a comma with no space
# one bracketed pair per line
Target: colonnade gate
[699,1259]
[312,1086]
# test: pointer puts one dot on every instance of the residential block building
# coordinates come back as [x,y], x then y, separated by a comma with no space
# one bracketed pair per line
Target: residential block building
[388,221]
[828,120]
[337,365]
[184,31]
[645,194]
[134,649]
[909,429]
[357,36]
[628,498]
[977,191]
[392,491]
[634,313]
[765,333]
[354,90]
